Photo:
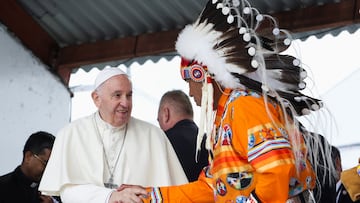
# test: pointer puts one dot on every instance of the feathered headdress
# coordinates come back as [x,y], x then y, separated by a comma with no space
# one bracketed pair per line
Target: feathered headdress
[241,49]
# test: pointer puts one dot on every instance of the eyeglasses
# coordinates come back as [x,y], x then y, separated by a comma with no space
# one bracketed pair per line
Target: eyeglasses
[40,159]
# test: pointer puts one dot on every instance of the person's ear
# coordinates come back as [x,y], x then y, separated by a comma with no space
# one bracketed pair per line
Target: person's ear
[27,156]
[96,98]
[166,114]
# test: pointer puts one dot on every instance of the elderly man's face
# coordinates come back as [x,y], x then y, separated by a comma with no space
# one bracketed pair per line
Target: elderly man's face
[114,100]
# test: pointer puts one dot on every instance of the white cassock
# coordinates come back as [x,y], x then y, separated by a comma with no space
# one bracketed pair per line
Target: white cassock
[88,151]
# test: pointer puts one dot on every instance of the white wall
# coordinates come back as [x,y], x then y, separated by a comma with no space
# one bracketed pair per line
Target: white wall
[343,101]
[32,99]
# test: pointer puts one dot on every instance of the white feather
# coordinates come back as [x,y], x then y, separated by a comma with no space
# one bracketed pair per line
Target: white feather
[196,42]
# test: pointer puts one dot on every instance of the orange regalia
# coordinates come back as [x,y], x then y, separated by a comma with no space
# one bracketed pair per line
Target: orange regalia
[253,160]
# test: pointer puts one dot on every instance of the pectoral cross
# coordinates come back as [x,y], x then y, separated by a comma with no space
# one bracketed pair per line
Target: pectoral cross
[110,184]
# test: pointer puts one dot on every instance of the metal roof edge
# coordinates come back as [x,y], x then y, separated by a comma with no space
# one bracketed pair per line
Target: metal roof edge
[303,36]
[128,62]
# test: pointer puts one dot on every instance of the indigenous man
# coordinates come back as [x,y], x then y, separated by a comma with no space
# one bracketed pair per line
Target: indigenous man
[232,62]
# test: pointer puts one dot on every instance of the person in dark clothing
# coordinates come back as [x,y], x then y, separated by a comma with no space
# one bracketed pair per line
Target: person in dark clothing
[342,195]
[175,117]
[327,172]
[21,185]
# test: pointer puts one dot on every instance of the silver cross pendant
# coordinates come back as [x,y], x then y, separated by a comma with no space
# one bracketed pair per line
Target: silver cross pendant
[110,184]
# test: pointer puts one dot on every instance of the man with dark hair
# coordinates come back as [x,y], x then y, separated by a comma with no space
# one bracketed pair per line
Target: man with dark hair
[175,117]
[21,185]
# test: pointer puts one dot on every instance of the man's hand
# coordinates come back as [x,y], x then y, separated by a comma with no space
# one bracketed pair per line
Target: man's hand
[45,199]
[128,194]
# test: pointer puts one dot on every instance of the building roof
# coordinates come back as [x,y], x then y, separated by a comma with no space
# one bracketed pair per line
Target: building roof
[71,34]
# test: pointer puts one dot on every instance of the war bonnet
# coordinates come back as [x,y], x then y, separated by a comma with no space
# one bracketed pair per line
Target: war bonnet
[240,48]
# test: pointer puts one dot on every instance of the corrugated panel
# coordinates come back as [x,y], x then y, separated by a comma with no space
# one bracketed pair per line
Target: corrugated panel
[266,6]
[82,21]
[79,21]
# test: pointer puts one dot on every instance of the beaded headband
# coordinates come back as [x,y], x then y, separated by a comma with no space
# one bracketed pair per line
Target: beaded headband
[192,70]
